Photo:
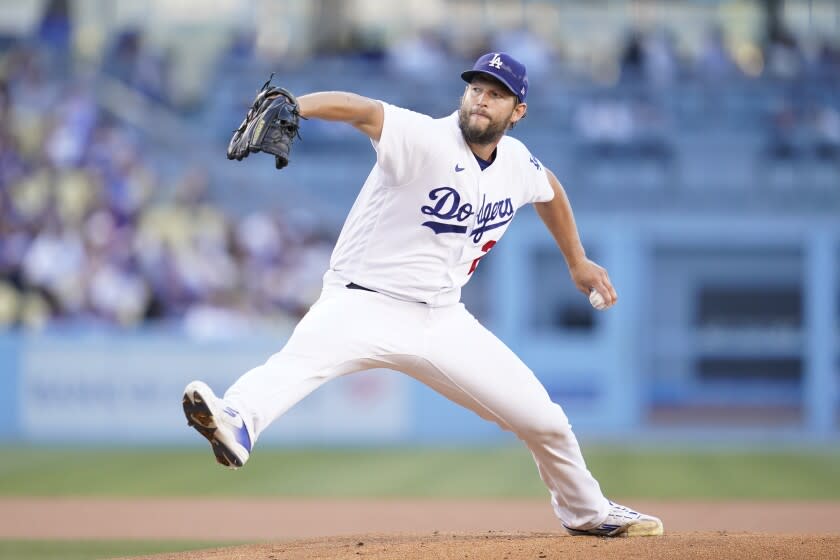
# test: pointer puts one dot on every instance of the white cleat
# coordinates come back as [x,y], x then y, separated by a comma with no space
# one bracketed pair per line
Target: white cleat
[622,521]
[223,426]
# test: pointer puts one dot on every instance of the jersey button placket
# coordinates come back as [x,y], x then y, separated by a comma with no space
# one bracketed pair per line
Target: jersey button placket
[468,241]
[458,256]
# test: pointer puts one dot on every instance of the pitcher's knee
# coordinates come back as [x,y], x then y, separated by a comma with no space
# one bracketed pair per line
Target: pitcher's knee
[546,423]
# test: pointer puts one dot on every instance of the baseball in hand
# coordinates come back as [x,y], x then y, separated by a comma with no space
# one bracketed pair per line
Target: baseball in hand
[597,300]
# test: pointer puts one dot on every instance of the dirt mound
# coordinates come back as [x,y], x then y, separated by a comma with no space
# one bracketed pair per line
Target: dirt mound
[513,546]
[274,519]
[422,529]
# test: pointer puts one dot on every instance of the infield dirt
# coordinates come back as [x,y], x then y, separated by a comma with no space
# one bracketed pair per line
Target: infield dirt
[515,546]
[421,529]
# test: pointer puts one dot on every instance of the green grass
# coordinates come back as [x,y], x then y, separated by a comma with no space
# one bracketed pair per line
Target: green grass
[90,550]
[506,472]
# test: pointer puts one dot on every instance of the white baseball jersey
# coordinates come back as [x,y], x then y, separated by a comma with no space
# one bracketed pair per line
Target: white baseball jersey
[427,212]
[424,216]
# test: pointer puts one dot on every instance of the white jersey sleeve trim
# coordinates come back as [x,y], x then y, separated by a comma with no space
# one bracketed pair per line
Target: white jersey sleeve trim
[544,192]
[532,173]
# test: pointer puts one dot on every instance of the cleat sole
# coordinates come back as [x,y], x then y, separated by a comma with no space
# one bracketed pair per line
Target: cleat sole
[200,418]
[644,529]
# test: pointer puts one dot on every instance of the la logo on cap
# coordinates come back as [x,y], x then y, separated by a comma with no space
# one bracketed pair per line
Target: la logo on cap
[496,62]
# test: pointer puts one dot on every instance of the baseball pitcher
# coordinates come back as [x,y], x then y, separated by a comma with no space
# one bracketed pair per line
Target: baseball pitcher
[440,196]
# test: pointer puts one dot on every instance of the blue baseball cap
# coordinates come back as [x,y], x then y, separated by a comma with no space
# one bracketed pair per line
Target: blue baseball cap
[504,68]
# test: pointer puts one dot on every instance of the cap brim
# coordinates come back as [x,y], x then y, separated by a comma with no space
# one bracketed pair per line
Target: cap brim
[470,74]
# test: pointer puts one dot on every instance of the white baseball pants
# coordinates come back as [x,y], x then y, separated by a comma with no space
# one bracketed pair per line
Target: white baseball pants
[446,348]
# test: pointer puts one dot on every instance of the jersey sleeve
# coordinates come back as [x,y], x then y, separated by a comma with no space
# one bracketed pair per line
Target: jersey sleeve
[405,144]
[541,190]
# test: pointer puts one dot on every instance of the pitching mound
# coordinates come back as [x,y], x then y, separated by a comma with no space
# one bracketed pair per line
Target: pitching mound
[512,546]
[421,529]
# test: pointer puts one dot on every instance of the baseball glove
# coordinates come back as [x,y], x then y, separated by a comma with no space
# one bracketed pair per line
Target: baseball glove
[271,125]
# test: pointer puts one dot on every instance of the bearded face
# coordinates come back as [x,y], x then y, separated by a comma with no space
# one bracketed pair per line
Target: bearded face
[479,128]
[486,111]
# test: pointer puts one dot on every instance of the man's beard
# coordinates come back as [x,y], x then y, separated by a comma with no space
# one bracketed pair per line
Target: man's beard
[474,135]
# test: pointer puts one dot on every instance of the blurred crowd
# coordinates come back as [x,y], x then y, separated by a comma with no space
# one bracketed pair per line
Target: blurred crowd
[625,92]
[650,61]
[90,233]
[628,97]
[651,54]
